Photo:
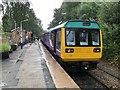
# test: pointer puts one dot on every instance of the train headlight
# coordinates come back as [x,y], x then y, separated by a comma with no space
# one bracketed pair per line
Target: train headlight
[69,50]
[96,50]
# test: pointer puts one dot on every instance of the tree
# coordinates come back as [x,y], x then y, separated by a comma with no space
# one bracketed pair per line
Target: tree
[108,17]
[87,11]
[16,12]
[63,13]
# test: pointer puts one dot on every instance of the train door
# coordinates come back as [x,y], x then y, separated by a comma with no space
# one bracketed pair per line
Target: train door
[52,40]
[58,42]
[55,41]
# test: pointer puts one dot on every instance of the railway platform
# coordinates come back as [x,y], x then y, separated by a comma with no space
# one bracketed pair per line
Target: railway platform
[36,68]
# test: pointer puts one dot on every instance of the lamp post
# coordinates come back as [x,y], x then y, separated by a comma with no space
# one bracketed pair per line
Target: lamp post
[15,24]
[21,40]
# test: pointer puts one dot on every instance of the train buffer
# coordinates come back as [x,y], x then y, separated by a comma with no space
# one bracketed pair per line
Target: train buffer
[38,69]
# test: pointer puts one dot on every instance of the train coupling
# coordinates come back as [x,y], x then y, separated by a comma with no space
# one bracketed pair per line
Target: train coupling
[89,65]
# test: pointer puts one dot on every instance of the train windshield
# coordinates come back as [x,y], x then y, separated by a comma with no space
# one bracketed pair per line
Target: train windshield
[70,37]
[81,37]
[95,38]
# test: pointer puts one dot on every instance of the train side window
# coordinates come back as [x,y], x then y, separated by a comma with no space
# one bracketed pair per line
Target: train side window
[52,38]
[70,37]
[83,37]
[58,40]
[95,38]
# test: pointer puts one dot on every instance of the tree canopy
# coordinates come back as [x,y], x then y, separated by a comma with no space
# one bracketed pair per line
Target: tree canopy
[17,12]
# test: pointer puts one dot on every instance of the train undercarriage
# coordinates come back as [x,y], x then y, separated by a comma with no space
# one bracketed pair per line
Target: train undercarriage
[79,65]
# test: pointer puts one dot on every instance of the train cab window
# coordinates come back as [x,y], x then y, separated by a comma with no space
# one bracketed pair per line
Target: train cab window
[95,37]
[70,37]
[83,36]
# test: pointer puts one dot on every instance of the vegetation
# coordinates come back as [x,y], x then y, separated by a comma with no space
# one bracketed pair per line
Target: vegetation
[4,47]
[6,34]
[16,13]
[106,13]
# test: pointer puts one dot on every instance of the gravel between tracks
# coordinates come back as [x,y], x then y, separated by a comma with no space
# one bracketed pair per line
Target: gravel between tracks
[107,74]
[107,67]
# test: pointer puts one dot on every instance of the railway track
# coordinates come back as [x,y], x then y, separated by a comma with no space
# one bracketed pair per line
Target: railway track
[88,80]
[85,80]
[96,79]
[113,75]
[109,80]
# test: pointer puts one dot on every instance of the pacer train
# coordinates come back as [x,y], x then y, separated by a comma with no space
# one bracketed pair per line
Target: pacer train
[78,42]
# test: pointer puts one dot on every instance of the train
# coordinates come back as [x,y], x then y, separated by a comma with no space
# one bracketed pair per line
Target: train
[76,42]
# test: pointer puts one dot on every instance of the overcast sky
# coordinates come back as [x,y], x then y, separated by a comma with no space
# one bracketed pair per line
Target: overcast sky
[44,10]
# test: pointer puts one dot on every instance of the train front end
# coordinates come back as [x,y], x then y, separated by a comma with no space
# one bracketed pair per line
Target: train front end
[81,42]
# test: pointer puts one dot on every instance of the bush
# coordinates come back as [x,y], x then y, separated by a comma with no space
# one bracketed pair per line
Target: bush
[4,47]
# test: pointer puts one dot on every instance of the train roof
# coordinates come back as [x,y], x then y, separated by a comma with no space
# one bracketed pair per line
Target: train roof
[78,24]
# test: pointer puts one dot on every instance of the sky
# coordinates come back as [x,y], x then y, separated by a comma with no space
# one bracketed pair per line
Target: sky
[44,10]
